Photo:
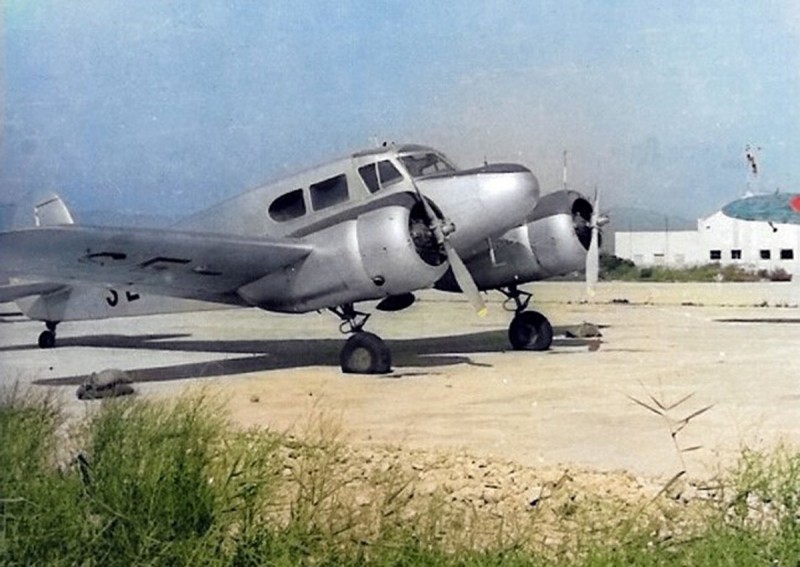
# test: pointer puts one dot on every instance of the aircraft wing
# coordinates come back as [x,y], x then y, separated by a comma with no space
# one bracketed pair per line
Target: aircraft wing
[209,267]
[11,292]
[777,208]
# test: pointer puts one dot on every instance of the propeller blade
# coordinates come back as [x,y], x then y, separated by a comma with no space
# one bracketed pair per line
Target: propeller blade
[465,281]
[593,254]
[460,271]
[432,218]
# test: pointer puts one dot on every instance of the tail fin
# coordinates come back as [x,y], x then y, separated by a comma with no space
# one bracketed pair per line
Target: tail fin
[52,211]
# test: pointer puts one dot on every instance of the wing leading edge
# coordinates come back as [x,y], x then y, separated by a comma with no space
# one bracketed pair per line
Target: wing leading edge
[210,267]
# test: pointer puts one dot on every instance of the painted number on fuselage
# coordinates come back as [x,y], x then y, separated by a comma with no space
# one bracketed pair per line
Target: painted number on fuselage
[113,297]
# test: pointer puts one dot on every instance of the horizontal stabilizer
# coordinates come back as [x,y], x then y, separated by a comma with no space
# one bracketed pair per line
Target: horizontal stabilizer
[12,292]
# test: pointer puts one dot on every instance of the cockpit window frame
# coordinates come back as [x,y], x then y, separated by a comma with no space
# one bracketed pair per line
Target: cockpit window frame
[374,175]
[417,172]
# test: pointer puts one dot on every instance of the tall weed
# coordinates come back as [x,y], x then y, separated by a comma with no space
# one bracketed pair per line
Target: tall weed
[172,484]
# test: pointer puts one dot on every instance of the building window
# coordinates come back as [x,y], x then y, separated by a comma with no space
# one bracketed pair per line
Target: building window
[766,254]
[658,259]
[787,254]
[329,192]
[736,254]
[715,255]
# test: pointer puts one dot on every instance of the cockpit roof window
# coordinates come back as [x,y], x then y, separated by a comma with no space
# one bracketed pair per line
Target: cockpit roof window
[430,163]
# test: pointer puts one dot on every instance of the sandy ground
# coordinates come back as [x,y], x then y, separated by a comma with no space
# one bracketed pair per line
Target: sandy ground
[458,389]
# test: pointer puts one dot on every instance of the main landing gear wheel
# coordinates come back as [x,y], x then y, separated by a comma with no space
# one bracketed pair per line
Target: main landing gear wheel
[530,330]
[48,338]
[365,353]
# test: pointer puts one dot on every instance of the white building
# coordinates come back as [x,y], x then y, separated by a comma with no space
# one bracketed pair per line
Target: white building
[718,238]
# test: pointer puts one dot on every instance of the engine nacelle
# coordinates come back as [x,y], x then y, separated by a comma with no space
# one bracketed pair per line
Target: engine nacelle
[553,242]
[560,232]
[384,251]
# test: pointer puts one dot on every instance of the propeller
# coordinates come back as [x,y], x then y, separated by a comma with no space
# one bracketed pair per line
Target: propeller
[442,231]
[593,254]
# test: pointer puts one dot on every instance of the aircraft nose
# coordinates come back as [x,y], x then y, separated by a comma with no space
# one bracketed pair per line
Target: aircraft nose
[510,190]
[483,202]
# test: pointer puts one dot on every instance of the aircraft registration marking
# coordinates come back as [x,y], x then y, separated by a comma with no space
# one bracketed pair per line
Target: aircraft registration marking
[113,297]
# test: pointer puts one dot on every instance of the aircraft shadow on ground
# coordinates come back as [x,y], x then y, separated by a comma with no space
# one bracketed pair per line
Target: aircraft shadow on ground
[264,355]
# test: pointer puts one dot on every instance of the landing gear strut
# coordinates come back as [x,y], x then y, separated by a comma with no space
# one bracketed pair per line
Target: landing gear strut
[529,330]
[48,338]
[364,352]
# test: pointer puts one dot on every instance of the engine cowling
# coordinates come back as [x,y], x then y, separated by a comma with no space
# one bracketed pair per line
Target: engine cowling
[385,251]
[553,242]
[560,232]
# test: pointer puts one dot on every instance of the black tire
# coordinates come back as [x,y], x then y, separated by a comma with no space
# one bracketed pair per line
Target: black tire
[530,330]
[47,339]
[365,353]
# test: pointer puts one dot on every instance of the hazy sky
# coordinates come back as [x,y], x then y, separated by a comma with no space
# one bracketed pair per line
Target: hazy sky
[170,106]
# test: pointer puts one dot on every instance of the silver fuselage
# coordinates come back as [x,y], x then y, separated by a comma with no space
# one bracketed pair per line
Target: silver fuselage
[481,203]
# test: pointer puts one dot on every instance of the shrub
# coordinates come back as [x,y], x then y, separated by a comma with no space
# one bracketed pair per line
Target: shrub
[614,268]
[779,275]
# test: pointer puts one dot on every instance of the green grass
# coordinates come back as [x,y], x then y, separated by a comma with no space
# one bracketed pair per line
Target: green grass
[144,483]
[613,268]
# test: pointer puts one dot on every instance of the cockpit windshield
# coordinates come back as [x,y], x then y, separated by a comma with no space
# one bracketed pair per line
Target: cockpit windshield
[420,165]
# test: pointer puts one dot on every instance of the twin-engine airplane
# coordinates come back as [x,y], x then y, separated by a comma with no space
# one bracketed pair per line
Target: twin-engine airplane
[377,225]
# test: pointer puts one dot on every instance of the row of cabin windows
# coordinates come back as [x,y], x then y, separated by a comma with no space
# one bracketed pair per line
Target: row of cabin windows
[786,254]
[332,191]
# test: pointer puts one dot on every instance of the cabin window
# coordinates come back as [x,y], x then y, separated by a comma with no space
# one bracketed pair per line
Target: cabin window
[766,254]
[787,254]
[715,255]
[419,165]
[370,177]
[736,254]
[388,173]
[379,175]
[288,206]
[329,192]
